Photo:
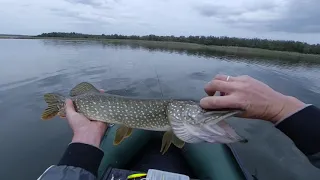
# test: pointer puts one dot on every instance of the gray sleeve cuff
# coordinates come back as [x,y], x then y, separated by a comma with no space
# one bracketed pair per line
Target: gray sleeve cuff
[83,156]
[66,173]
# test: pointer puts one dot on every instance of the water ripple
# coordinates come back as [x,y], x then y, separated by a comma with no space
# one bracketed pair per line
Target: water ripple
[44,66]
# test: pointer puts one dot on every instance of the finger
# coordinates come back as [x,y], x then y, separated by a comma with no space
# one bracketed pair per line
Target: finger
[102,124]
[218,85]
[243,78]
[219,102]
[209,90]
[101,90]
[69,107]
[224,78]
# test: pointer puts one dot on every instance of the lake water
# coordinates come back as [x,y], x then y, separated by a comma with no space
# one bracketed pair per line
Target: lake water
[30,68]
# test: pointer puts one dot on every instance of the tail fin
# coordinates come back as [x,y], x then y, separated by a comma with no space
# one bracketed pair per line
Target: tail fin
[55,104]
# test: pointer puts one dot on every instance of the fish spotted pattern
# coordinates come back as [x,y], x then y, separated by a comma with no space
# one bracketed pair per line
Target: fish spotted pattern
[183,121]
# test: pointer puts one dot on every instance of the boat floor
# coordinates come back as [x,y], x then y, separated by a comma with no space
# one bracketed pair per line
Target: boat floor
[150,158]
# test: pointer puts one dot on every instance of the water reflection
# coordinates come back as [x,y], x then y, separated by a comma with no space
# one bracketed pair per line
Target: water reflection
[198,75]
[199,52]
[137,71]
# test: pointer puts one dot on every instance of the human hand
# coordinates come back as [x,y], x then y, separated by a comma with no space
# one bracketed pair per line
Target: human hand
[257,99]
[84,130]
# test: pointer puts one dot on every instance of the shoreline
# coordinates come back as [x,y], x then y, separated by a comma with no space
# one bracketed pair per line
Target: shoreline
[180,46]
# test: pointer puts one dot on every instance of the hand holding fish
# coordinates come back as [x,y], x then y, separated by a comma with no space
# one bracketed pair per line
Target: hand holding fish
[257,99]
[84,130]
[181,120]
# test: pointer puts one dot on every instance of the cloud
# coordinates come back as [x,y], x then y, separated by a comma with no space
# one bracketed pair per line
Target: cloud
[84,17]
[244,14]
[99,4]
[217,11]
[293,16]
[299,17]
[86,2]
[272,19]
[229,10]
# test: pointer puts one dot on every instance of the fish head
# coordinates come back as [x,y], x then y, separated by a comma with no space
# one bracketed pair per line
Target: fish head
[189,112]
[193,124]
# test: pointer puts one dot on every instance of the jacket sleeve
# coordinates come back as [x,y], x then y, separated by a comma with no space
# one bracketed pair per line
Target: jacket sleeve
[79,162]
[303,128]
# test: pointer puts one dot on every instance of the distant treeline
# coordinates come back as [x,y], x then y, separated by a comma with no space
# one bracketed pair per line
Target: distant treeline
[293,46]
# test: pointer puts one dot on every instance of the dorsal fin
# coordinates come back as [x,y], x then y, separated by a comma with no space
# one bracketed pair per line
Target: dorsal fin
[83,88]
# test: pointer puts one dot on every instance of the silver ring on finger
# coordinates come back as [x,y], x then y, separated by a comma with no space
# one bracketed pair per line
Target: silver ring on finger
[228,78]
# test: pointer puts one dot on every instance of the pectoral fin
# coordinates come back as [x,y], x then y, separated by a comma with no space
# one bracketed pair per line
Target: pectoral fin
[168,138]
[177,142]
[129,132]
[121,133]
[166,141]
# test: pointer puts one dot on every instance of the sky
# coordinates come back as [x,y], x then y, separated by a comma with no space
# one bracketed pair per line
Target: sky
[271,19]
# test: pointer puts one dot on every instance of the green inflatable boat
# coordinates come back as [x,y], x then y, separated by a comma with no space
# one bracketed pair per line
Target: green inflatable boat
[141,151]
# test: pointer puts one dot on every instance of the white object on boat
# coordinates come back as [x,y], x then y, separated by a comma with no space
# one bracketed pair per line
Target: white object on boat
[154,174]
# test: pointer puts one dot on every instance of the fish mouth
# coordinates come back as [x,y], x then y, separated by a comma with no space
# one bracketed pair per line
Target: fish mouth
[206,127]
[193,124]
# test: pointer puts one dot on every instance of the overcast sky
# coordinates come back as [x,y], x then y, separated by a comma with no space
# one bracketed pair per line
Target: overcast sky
[272,19]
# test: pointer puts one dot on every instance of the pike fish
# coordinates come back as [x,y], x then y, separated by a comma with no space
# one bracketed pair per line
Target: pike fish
[181,120]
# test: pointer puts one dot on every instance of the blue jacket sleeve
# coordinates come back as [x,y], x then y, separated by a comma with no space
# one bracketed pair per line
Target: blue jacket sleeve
[303,128]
